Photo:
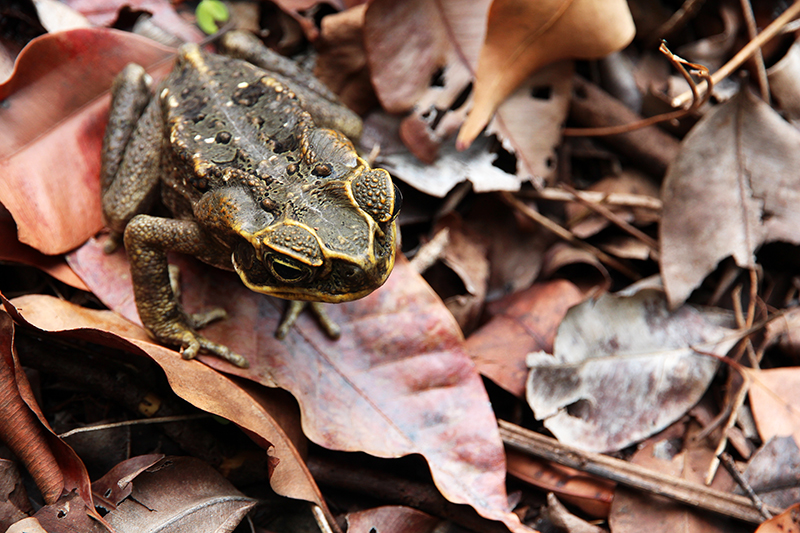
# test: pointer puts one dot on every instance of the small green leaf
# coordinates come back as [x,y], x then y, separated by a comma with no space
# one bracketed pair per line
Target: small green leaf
[208,13]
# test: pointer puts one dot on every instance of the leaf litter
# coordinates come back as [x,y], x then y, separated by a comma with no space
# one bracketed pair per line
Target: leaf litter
[728,192]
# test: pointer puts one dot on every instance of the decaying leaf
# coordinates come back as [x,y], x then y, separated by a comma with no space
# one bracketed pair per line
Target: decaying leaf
[524,36]
[623,368]
[734,186]
[51,128]
[180,494]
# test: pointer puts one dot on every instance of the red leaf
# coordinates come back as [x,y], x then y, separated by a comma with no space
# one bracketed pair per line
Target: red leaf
[51,127]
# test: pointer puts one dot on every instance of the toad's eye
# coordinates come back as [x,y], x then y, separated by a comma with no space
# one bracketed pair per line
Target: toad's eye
[398,202]
[287,270]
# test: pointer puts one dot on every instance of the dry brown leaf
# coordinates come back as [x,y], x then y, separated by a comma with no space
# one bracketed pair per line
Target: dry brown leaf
[775,401]
[624,368]
[563,260]
[524,36]
[734,186]
[397,382]
[180,494]
[527,324]
[784,83]
[51,128]
[786,522]
[57,471]
[391,519]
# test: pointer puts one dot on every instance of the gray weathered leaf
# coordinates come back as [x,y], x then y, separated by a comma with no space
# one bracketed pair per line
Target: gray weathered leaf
[734,186]
[624,368]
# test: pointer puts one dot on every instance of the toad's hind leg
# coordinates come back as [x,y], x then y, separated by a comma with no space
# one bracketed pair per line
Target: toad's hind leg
[129,175]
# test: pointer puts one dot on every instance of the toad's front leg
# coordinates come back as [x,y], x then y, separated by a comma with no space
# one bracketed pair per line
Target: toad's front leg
[147,241]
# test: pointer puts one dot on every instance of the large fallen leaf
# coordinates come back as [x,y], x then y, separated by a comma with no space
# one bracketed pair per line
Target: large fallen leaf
[397,382]
[775,400]
[734,186]
[624,368]
[51,128]
[524,35]
[476,165]
[180,494]
[194,382]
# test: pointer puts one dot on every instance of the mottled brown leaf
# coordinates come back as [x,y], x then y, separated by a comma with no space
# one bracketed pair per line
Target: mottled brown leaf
[734,186]
[51,128]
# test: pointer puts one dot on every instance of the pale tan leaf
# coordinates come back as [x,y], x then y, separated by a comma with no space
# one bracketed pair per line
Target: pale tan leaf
[734,186]
[775,401]
[624,368]
[523,36]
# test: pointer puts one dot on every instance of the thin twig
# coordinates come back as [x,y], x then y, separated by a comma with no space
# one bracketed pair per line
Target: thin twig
[621,199]
[632,475]
[568,236]
[745,53]
[142,421]
[614,219]
[698,100]
[730,466]
[752,33]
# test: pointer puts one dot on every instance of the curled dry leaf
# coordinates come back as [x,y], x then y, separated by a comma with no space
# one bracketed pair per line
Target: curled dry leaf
[623,368]
[397,382]
[524,36]
[734,186]
[51,128]
[57,471]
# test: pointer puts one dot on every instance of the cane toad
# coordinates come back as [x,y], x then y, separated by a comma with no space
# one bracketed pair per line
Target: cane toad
[259,177]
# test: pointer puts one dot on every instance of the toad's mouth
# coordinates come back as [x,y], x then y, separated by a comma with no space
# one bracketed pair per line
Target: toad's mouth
[334,288]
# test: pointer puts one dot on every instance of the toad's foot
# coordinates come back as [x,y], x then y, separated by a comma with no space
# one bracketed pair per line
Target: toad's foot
[179,333]
[293,311]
